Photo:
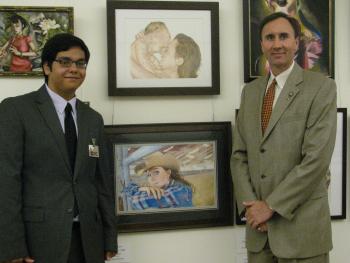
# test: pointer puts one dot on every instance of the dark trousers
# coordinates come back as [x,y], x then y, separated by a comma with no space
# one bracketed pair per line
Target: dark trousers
[76,252]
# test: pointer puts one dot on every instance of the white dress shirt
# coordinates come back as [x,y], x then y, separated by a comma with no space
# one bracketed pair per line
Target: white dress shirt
[281,81]
[60,104]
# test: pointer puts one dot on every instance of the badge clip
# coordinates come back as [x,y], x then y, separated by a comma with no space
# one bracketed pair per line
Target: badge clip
[93,149]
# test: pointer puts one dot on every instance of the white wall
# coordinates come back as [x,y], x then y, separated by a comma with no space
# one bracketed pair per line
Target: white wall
[198,245]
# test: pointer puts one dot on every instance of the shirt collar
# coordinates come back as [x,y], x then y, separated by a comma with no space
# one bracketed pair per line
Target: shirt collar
[60,103]
[281,79]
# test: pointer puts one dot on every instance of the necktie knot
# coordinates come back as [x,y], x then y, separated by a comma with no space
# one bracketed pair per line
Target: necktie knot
[68,108]
[273,83]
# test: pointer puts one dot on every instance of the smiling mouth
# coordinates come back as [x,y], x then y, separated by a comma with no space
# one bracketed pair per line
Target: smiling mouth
[75,78]
[277,54]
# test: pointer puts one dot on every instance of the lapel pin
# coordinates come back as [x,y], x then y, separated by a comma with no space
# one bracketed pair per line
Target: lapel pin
[290,95]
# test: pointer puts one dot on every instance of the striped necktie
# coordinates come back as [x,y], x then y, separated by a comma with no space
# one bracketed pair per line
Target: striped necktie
[267,105]
[70,134]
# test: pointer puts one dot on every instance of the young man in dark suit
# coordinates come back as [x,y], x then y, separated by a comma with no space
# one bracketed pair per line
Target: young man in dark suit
[56,190]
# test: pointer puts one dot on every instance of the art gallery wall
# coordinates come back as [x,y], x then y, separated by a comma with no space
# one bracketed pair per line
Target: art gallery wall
[219,244]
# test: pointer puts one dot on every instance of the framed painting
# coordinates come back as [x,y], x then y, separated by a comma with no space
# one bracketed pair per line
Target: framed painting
[316,45]
[337,183]
[170,176]
[337,178]
[163,48]
[24,31]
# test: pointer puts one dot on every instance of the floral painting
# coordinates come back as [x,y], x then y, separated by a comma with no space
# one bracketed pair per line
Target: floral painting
[23,34]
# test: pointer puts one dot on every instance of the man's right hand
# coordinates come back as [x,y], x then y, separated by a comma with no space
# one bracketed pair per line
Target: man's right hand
[257,213]
[262,227]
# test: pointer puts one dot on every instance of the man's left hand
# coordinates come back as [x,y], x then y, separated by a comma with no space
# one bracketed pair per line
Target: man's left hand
[109,255]
[257,213]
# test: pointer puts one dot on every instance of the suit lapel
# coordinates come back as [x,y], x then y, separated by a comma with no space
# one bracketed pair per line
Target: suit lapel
[83,133]
[47,110]
[289,92]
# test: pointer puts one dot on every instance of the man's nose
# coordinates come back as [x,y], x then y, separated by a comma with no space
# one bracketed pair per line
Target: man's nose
[277,43]
[73,67]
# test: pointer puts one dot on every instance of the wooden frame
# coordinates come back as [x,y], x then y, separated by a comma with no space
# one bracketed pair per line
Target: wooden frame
[316,48]
[202,151]
[144,45]
[337,184]
[337,188]
[20,52]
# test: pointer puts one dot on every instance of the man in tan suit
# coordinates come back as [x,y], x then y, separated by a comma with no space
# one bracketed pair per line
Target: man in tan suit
[283,143]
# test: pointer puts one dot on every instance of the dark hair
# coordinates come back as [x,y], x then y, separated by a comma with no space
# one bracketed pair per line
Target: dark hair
[175,175]
[292,21]
[58,43]
[188,49]
[15,18]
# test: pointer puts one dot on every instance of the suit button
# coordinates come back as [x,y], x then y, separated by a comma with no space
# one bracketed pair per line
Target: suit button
[262,150]
[70,210]
[263,176]
[75,182]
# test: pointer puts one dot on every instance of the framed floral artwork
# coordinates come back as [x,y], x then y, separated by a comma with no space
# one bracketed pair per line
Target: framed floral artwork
[24,31]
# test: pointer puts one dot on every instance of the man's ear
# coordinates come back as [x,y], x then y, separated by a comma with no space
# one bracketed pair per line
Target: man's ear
[179,61]
[46,68]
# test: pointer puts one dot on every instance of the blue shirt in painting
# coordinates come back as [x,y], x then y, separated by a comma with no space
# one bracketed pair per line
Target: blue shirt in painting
[176,195]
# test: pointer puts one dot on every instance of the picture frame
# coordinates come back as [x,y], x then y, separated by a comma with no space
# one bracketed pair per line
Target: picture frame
[337,188]
[163,48]
[337,183]
[200,197]
[24,33]
[316,45]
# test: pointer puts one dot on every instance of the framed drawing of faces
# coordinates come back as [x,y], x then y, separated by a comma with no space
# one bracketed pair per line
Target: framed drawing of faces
[163,48]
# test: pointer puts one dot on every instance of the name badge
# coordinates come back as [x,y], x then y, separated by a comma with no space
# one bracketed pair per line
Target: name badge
[93,149]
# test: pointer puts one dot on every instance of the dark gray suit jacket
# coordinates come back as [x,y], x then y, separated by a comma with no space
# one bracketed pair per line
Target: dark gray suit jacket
[37,188]
[287,166]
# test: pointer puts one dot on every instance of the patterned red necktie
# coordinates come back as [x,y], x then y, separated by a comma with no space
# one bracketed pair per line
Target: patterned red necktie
[267,105]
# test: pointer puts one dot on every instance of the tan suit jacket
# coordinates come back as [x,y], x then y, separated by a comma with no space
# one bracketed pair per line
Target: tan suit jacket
[287,165]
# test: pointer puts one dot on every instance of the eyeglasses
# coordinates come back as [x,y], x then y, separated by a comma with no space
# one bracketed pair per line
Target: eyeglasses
[67,63]
[152,173]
